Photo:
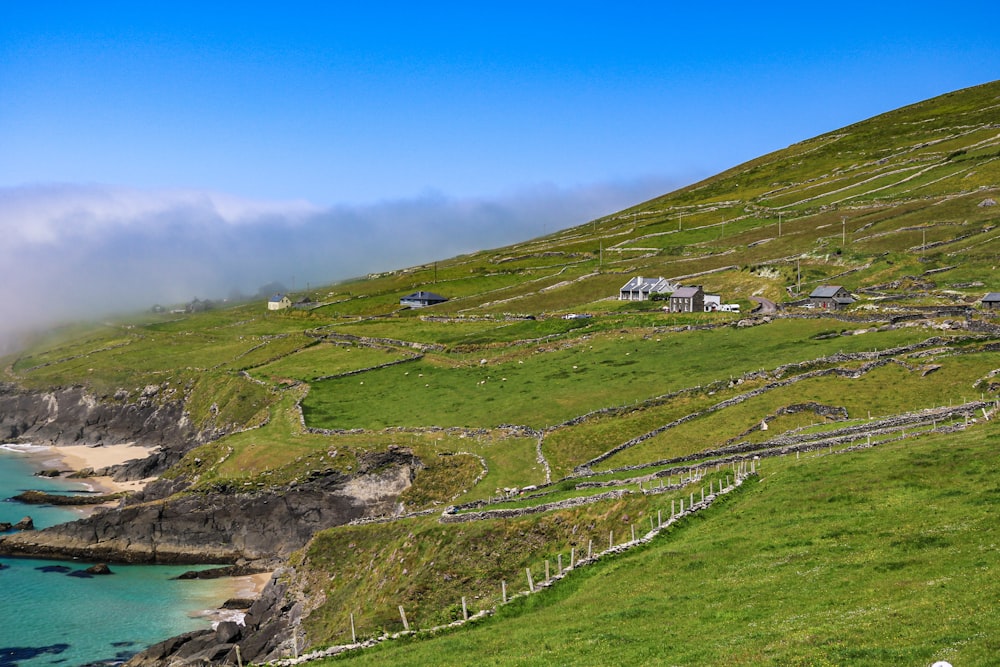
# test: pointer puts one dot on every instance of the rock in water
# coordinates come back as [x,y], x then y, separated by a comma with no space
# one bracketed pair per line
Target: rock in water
[100,568]
[25,524]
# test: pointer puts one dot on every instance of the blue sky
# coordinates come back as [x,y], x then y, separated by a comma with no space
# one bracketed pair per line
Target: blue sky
[115,117]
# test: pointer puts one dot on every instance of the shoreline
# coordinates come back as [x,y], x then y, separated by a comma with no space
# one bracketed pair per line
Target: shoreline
[246,586]
[74,458]
[95,457]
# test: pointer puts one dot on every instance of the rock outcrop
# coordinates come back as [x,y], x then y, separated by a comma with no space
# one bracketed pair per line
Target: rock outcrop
[262,636]
[168,524]
[74,416]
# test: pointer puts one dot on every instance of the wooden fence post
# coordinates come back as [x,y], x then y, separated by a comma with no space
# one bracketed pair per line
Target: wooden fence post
[572,557]
[611,538]
[659,518]
[465,610]
[559,563]
[633,532]
[547,569]
[590,549]
[354,634]
[402,615]
[531,584]
[503,590]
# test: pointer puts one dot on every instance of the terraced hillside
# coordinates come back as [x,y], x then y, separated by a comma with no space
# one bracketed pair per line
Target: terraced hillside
[548,416]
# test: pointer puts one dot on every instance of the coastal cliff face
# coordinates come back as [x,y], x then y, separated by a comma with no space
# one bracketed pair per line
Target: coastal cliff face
[171,522]
[169,525]
[74,416]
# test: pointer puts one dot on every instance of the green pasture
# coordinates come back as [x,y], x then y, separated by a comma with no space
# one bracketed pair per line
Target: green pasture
[864,397]
[880,557]
[325,359]
[427,566]
[548,388]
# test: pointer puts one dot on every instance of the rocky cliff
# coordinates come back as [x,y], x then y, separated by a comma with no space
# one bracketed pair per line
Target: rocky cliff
[265,634]
[72,415]
[171,524]
[153,417]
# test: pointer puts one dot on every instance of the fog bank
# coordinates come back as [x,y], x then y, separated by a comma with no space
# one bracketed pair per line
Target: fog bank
[83,251]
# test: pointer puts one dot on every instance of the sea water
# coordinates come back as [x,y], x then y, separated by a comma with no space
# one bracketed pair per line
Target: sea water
[49,615]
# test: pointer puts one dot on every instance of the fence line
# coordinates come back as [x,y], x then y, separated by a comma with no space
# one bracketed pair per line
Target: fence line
[743,470]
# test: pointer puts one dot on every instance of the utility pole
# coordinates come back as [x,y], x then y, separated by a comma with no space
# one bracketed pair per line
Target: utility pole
[779,224]
[843,221]
[680,216]
[798,277]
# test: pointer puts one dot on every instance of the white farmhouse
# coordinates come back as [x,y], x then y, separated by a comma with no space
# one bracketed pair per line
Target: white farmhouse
[641,289]
[279,302]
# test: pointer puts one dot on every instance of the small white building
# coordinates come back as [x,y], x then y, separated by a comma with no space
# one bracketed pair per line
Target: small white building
[279,302]
[713,302]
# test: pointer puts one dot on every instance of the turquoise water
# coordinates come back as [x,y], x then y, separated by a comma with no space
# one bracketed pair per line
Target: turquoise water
[48,617]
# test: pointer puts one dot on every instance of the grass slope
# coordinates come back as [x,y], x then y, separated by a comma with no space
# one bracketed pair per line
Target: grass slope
[881,557]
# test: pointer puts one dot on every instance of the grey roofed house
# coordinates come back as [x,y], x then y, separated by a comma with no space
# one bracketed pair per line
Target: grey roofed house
[830,296]
[641,289]
[992,301]
[421,299]
[687,300]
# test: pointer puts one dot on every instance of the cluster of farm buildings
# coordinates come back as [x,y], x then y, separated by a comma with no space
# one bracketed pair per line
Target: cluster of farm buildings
[679,298]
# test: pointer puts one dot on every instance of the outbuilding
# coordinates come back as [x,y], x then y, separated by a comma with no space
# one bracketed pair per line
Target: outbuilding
[421,299]
[830,297]
[991,301]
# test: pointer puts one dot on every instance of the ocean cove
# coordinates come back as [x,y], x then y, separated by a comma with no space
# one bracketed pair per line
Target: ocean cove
[50,615]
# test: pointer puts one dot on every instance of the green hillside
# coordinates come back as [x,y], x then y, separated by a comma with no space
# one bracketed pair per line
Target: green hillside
[834,556]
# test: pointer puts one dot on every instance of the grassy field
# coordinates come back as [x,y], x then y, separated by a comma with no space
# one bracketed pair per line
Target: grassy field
[883,557]
[549,387]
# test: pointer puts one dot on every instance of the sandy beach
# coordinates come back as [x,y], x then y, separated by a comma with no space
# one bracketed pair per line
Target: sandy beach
[244,587]
[79,457]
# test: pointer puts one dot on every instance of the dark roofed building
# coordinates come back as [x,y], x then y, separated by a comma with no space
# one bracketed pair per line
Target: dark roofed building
[992,301]
[830,297]
[687,300]
[421,299]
